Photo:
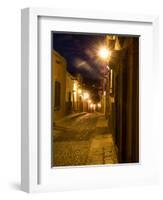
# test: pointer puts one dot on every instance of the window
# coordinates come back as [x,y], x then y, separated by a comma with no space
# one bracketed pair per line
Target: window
[58,62]
[57,95]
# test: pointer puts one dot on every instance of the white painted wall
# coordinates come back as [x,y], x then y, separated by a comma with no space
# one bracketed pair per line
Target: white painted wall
[10,97]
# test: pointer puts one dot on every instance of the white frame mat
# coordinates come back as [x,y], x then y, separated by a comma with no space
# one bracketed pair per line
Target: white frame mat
[36,171]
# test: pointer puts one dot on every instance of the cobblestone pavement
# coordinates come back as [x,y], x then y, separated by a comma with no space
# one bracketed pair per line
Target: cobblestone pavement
[71,153]
[82,140]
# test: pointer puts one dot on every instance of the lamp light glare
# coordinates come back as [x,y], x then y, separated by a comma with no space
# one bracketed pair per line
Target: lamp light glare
[104,53]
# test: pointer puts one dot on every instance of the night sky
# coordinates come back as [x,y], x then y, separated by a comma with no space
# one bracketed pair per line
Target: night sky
[81,54]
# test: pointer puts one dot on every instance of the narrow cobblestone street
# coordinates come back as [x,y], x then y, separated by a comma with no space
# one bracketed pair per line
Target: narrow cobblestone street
[83,139]
[95,99]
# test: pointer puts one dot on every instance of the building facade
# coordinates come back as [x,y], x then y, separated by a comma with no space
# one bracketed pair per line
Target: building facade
[122,96]
[59,69]
[69,93]
[67,90]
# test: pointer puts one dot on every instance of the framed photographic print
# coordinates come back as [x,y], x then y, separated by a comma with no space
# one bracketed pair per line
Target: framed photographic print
[88,100]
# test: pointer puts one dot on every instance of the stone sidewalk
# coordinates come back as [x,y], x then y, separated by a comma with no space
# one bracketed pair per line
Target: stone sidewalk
[102,147]
[102,150]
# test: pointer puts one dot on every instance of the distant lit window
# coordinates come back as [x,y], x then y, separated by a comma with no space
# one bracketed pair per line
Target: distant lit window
[57,95]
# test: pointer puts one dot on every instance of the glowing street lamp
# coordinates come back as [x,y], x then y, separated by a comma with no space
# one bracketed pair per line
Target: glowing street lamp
[99,105]
[85,95]
[91,105]
[104,53]
[79,91]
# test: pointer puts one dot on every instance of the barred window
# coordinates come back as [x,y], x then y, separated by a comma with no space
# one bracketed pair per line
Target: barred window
[57,95]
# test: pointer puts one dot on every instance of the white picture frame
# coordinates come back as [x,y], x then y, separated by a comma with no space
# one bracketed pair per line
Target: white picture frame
[36,171]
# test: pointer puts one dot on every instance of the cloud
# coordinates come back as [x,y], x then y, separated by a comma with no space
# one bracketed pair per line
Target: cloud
[82,64]
[90,53]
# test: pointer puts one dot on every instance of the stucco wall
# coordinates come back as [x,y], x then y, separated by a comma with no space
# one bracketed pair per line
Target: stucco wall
[59,74]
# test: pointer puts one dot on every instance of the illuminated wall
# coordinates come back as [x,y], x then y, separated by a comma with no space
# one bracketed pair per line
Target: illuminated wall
[58,74]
